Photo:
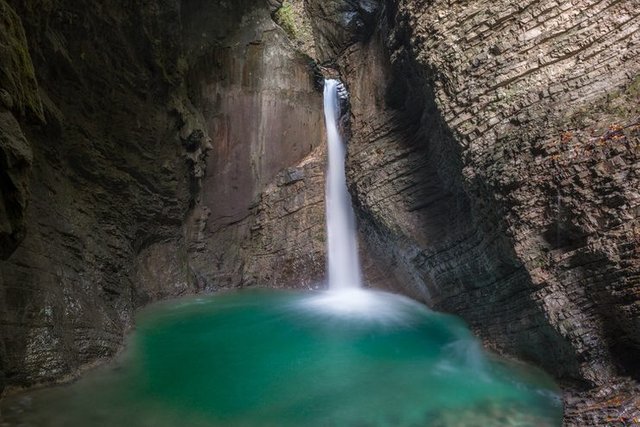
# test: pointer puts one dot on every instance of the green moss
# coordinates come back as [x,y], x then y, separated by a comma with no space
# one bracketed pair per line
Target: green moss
[285,17]
[634,87]
[17,75]
[620,106]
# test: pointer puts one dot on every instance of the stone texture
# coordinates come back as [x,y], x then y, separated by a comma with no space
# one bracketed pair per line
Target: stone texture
[293,17]
[281,241]
[18,98]
[494,163]
[338,23]
[616,404]
[110,177]
[15,165]
[18,84]
[258,222]
[179,153]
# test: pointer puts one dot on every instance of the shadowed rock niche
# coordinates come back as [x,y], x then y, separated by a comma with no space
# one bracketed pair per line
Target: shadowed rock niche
[260,217]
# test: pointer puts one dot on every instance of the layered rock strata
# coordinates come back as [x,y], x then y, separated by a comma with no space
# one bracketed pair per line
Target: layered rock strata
[160,148]
[494,162]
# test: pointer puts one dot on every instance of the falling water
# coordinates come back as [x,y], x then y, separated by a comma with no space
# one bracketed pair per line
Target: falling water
[344,266]
[345,357]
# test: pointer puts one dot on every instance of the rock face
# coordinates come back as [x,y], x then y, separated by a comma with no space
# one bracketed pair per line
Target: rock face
[494,162]
[15,160]
[337,24]
[108,179]
[258,222]
[133,103]
[18,97]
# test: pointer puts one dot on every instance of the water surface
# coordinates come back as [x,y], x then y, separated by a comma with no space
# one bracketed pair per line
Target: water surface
[270,358]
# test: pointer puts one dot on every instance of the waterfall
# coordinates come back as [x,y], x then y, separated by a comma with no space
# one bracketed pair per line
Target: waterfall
[342,249]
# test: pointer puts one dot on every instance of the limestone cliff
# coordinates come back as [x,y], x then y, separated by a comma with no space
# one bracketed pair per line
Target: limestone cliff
[260,218]
[494,161]
[18,97]
[148,150]
[108,176]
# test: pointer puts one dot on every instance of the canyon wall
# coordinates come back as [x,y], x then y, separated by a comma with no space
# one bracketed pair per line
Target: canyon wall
[105,167]
[260,219]
[148,150]
[494,162]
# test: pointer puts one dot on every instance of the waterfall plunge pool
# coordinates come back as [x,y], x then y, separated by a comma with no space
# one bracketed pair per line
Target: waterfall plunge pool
[345,357]
[295,358]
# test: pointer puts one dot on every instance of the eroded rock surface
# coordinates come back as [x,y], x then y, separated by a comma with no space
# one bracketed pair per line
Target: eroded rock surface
[18,98]
[108,179]
[260,217]
[175,147]
[15,164]
[173,141]
[494,162]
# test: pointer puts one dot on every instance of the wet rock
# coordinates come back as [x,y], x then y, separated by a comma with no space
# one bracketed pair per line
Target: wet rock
[107,180]
[292,175]
[482,173]
[338,23]
[493,165]
[156,173]
[18,97]
[18,84]
[264,116]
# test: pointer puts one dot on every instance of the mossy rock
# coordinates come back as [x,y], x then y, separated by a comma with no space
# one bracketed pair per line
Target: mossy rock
[292,17]
[17,75]
[285,17]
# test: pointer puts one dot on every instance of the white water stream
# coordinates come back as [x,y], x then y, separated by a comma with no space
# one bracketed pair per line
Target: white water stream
[342,249]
